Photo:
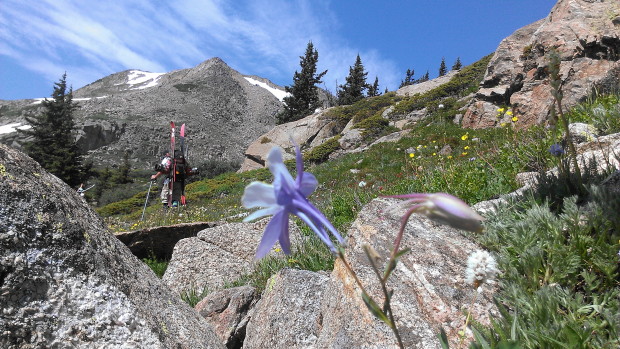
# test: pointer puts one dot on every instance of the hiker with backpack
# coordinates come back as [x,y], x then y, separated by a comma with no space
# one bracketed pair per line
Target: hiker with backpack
[176,171]
[163,168]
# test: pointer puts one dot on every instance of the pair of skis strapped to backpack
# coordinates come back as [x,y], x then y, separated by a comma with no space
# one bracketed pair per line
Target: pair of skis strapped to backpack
[175,160]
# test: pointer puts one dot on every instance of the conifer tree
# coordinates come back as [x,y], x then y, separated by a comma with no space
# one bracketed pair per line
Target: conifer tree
[304,98]
[121,176]
[373,90]
[353,90]
[53,143]
[424,77]
[442,67]
[408,78]
[457,65]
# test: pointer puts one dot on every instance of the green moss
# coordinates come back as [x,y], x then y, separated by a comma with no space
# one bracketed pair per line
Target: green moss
[321,153]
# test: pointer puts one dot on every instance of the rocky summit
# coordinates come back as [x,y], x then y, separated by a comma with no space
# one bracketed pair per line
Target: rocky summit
[131,111]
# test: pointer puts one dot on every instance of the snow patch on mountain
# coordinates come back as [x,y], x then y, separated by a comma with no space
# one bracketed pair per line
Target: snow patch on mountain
[10,128]
[278,93]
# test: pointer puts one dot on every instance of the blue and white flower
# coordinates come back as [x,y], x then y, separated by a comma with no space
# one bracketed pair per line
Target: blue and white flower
[286,196]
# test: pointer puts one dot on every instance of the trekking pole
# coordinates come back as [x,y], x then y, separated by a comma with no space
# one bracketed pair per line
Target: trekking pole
[147,199]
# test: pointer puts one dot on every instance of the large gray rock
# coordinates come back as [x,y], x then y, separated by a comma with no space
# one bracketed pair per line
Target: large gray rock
[65,281]
[216,255]
[429,287]
[586,34]
[310,131]
[228,310]
[289,313]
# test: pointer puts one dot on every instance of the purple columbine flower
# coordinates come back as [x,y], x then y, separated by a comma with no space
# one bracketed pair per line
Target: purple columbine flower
[556,150]
[443,208]
[286,196]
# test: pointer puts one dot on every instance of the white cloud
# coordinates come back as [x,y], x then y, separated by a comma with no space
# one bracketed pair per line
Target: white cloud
[90,40]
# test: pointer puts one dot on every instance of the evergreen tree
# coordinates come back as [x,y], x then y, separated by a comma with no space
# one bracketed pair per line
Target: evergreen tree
[373,90]
[457,65]
[121,176]
[304,98]
[53,143]
[408,78]
[424,77]
[442,67]
[353,90]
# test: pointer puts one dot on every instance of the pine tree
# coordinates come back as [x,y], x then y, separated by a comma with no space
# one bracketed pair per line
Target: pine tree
[424,78]
[457,65]
[373,90]
[353,90]
[408,78]
[121,176]
[304,98]
[53,143]
[442,67]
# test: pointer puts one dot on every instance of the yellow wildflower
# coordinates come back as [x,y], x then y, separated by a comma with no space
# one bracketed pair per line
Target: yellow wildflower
[466,147]
[500,110]
[464,153]
[515,119]
[509,112]
[465,136]
[411,155]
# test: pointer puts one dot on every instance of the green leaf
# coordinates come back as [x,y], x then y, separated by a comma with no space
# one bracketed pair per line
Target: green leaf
[480,338]
[443,339]
[375,310]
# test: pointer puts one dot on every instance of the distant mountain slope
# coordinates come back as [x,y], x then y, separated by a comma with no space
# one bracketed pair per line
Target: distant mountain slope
[223,109]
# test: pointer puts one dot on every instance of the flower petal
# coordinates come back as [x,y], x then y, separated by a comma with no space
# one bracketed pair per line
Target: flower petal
[262,213]
[277,167]
[319,232]
[272,233]
[308,184]
[258,194]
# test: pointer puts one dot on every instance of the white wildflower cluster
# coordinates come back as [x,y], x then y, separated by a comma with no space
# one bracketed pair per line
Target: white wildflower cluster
[481,268]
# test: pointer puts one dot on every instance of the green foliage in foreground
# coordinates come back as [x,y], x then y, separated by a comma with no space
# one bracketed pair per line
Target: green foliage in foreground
[560,285]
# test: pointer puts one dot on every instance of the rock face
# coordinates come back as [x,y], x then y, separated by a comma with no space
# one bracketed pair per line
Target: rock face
[586,35]
[228,311]
[216,255]
[310,131]
[287,315]
[65,281]
[131,111]
[159,242]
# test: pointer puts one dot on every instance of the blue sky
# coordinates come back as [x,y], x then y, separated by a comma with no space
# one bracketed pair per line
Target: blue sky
[40,40]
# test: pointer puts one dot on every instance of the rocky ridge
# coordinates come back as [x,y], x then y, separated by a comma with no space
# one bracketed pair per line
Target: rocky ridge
[131,111]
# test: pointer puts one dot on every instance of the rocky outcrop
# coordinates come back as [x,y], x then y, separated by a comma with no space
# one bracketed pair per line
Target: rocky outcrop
[423,87]
[310,131]
[586,35]
[215,256]
[159,242]
[65,281]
